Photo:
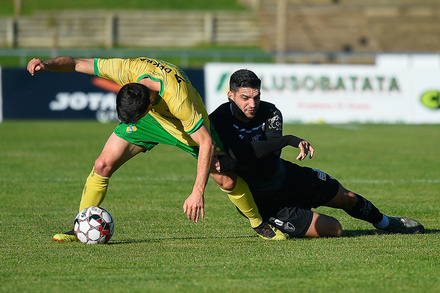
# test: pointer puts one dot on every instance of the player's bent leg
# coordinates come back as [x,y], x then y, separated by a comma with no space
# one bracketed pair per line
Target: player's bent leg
[93,194]
[115,153]
[344,199]
[240,195]
[94,190]
[361,208]
[355,205]
[324,226]
[226,181]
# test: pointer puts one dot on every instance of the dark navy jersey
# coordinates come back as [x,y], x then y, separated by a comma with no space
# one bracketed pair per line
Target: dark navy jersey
[249,143]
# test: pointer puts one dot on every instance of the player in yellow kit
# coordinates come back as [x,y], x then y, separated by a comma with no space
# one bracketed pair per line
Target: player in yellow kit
[156,104]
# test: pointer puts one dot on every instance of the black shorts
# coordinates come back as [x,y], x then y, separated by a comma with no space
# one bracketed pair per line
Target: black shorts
[303,189]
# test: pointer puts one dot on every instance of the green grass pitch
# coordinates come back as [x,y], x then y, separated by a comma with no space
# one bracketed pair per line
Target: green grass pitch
[155,249]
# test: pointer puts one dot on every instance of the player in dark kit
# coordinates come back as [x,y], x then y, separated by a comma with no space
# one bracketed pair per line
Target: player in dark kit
[285,193]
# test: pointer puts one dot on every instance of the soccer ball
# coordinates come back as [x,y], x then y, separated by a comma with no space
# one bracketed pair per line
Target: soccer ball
[94,225]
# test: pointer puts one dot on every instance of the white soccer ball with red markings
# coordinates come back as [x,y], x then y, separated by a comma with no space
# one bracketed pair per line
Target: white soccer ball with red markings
[94,225]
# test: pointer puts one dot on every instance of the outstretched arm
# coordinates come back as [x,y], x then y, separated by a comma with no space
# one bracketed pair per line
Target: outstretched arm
[260,149]
[265,147]
[62,64]
[194,204]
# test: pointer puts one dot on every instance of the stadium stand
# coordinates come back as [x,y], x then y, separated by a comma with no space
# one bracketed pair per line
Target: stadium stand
[335,31]
[350,26]
[67,29]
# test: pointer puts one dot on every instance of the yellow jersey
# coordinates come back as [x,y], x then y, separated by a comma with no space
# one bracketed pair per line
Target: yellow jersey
[179,109]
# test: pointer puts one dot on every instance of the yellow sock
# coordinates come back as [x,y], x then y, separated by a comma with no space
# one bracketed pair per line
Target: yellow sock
[94,190]
[241,197]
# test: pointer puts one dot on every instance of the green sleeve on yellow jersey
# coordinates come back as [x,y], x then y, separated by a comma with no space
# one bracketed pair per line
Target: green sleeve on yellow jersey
[95,67]
[155,79]
[194,129]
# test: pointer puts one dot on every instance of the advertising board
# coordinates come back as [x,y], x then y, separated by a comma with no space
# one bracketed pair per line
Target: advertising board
[338,93]
[68,95]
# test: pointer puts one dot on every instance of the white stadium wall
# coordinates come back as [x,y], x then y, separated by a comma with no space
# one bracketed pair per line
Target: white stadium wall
[397,89]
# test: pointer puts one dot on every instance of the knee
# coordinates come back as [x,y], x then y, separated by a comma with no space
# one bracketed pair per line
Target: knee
[227,183]
[334,229]
[324,226]
[224,180]
[102,168]
[337,229]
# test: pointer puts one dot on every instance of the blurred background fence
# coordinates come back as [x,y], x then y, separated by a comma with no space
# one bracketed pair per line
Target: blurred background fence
[100,28]
[310,31]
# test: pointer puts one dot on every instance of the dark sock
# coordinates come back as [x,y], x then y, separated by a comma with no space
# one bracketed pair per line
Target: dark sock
[365,210]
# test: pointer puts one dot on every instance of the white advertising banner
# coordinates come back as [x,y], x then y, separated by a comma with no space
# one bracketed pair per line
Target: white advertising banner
[338,93]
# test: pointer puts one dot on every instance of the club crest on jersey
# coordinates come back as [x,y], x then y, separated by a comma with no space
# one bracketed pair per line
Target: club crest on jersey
[131,128]
[275,122]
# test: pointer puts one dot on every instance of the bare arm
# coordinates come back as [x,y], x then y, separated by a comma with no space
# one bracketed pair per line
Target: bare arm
[194,204]
[61,64]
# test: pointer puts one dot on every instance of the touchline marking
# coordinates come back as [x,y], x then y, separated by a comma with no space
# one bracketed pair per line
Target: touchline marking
[181,178]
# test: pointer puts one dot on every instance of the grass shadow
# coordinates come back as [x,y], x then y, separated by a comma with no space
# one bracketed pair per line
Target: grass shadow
[346,234]
[359,233]
[131,241]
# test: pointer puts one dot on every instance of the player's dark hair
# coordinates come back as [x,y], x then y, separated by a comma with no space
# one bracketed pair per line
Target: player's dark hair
[244,78]
[132,102]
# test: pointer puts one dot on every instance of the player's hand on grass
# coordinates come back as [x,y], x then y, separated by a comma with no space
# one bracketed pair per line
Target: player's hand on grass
[35,65]
[194,207]
[305,147]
